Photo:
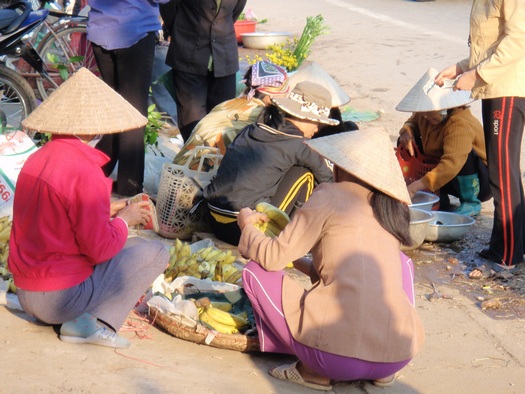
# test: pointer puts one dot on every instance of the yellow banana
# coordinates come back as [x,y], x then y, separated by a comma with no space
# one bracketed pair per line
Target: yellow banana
[226,318]
[280,218]
[185,251]
[229,260]
[214,324]
[173,250]
[213,255]
[227,271]
[11,285]
[204,252]
[217,277]
[178,246]
[263,207]
[273,227]
[5,233]
[233,278]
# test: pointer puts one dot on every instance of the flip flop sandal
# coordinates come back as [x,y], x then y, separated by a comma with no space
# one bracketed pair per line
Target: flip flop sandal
[503,271]
[385,383]
[290,373]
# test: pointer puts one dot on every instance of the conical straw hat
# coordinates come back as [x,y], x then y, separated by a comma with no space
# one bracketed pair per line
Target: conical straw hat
[309,101]
[368,155]
[426,96]
[84,105]
[313,72]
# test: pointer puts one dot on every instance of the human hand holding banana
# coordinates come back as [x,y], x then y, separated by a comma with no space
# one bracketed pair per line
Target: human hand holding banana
[248,216]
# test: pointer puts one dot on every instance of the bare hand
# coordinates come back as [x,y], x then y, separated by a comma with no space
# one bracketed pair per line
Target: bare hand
[116,206]
[414,187]
[467,80]
[248,216]
[406,139]
[136,213]
[451,72]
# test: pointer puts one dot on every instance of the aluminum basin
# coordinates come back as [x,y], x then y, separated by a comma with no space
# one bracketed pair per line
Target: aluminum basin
[448,227]
[419,220]
[424,200]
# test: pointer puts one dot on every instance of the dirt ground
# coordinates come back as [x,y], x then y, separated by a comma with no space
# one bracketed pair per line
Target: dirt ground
[475,329]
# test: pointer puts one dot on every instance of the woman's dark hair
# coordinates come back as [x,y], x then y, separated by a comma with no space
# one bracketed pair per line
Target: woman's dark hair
[272,116]
[392,215]
[335,113]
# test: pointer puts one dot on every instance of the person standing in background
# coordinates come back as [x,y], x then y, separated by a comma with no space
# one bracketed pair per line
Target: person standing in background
[124,34]
[495,72]
[203,54]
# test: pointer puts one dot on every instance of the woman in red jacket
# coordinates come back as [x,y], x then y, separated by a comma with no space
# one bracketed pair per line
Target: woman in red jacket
[69,251]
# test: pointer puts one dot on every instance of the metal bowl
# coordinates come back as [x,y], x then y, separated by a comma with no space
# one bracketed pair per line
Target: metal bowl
[424,200]
[419,220]
[448,226]
[262,40]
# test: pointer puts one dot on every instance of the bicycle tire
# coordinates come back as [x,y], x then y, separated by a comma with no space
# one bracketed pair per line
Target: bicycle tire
[65,43]
[17,100]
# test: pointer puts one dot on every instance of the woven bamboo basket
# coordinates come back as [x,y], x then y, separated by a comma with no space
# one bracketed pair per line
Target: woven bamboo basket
[200,334]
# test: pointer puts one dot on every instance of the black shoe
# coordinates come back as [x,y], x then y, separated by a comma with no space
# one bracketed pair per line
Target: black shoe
[487,254]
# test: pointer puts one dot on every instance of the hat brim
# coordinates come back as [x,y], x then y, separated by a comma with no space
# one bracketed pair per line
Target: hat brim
[293,108]
[426,96]
[367,155]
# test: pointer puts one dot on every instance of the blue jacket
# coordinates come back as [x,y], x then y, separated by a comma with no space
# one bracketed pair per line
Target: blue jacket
[117,24]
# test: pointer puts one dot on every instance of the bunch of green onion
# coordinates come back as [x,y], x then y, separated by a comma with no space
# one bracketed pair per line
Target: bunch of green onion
[315,26]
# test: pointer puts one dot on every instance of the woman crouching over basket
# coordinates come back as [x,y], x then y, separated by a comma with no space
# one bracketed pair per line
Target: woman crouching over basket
[268,161]
[69,251]
[358,320]
[443,128]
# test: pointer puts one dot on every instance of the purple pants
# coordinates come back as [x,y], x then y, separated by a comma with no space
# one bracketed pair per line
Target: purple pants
[265,292]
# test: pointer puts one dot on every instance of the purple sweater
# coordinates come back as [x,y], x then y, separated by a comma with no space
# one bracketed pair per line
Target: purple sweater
[119,24]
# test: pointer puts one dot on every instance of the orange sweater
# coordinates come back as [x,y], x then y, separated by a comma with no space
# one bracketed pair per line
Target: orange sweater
[450,141]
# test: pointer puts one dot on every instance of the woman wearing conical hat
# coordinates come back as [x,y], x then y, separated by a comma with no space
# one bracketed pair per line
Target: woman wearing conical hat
[69,251]
[357,321]
[443,129]
[268,161]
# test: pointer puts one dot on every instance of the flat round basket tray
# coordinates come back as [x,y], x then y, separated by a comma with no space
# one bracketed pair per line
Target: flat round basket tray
[200,334]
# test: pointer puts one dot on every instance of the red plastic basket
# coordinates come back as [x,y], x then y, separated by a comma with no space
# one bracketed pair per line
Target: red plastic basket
[414,167]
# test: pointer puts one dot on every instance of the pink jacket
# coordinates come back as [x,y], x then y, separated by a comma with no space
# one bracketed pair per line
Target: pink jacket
[61,217]
[358,308]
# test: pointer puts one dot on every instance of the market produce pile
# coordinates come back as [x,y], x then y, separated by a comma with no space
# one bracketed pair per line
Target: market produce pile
[218,316]
[206,263]
[5,233]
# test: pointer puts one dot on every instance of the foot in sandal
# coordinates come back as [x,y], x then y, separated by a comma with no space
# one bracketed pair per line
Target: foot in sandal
[298,374]
[385,382]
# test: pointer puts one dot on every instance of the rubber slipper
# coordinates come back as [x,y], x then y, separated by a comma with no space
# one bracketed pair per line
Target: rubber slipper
[503,271]
[385,382]
[501,267]
[290,373]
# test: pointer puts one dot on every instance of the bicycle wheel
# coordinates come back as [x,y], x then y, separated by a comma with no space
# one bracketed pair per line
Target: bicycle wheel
[17,99]
[63,47]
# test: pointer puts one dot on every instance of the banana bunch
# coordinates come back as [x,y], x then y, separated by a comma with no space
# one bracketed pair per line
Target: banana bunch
[222,321]
[5,233]
[206,263]
[277,219]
